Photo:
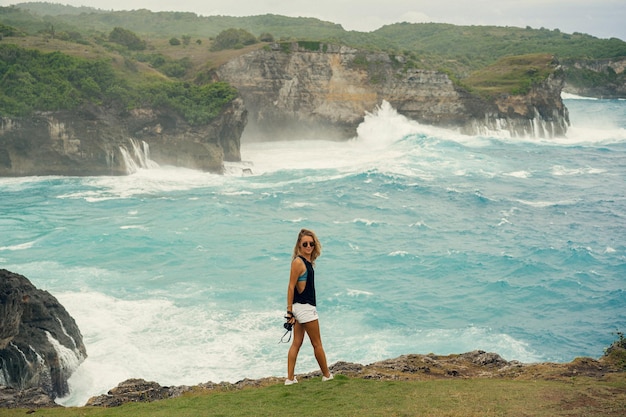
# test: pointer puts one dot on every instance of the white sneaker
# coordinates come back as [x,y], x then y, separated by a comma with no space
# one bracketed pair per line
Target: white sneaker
[324,379]
[291,381]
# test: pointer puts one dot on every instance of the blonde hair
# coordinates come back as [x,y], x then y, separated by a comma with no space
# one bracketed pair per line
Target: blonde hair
[317,250]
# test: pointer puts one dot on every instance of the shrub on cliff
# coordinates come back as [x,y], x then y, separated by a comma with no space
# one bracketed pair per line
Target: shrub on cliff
[233,39]
[127,38]
[9,31]
[168,66]
[196,104]
[31,80]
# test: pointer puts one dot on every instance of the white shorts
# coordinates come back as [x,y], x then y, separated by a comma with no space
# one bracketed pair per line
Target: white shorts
[304,313]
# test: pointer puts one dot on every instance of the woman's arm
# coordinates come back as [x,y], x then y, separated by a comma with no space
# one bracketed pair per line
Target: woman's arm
[297,269]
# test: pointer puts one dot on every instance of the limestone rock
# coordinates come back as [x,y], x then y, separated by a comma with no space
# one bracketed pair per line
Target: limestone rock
[326,93]
[101,141]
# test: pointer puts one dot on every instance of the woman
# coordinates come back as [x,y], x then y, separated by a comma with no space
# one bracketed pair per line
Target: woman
[301,311]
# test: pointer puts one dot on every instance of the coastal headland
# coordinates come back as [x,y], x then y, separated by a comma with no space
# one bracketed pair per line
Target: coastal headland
[92,92]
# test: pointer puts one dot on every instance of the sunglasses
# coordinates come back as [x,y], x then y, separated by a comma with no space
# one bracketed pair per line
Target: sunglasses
[305,244]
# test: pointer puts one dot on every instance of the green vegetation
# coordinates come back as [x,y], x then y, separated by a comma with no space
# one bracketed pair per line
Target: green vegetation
[8,31]
[511,75]
[127,38]
[313,46]
[359,397]
[233,39]
[32,80]
[102,61]
[165,64]
[197,104]
[457,50]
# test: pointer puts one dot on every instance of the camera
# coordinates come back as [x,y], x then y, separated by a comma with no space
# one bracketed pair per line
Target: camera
[288,326]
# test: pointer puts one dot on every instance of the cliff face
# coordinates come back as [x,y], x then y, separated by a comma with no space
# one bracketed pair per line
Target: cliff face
[40,344]
[98,141]
[325,93]
[539,113]
[612,70]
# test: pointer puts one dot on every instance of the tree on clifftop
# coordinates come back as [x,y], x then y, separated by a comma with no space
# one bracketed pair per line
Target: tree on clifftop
[127,38]
[233,39]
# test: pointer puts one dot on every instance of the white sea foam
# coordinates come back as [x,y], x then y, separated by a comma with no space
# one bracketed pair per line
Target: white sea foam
[159,341]
[356,293]
[391,143]
[503,222]
[133,226]
[368,347]
[68,358]
[560,170]
[519,174]
[21,246]
[569,96]
[542,204]
[145,182]
[299,204]
[366,222]
[385,126]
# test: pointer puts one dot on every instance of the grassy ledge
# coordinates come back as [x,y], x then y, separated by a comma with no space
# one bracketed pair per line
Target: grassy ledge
[357,397]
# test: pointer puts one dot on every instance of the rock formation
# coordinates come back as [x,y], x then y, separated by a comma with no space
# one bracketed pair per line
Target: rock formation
[304,93]
[40,344]
[100,141]
[613,87]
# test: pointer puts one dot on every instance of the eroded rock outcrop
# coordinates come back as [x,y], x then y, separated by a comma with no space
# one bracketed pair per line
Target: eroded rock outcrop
[326,93]
[99,141]
[40,343]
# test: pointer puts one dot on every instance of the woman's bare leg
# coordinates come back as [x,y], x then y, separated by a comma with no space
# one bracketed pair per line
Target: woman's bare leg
[312,328]
[296,343]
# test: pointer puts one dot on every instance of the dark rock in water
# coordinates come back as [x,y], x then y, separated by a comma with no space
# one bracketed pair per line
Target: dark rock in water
[40,343]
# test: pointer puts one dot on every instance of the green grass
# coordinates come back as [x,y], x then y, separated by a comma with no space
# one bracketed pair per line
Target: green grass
[360,397]
[511,75]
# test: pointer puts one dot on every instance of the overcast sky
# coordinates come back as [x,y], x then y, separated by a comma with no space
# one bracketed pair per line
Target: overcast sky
[601,18]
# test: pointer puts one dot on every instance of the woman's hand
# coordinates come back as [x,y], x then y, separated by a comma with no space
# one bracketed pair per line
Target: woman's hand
[290,318]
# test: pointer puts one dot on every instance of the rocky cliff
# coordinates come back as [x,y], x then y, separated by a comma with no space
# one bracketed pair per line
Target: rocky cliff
[326,90]
[40,343]
[600,78]
[103,141]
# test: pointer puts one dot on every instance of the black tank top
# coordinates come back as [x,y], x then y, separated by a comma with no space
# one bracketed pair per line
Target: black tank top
[308,295]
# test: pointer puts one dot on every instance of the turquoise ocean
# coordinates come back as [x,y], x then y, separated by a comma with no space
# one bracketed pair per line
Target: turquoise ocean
[432,242]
